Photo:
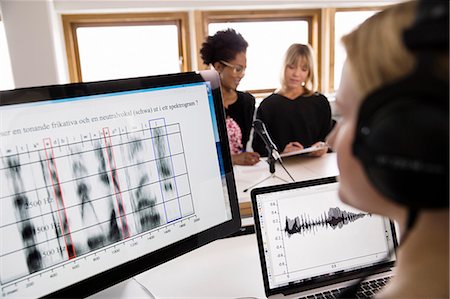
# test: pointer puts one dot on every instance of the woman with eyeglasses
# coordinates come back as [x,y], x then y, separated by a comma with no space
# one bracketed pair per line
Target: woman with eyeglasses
[295,115]
[226,52]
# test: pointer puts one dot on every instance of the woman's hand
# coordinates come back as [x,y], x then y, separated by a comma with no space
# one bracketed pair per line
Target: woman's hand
[245,158]
[322,151]
[292,146]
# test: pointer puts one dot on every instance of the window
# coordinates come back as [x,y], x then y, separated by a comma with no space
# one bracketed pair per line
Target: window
[127,51]
[272,41]
[103,47]
[6,76]
[344,22]
[269,34]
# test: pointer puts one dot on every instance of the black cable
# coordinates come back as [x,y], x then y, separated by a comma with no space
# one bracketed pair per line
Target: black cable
[282,165]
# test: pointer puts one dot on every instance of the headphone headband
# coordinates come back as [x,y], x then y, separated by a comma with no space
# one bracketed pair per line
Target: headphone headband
[402,133]
[431,28]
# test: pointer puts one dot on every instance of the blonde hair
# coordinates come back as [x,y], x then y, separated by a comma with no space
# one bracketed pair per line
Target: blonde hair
[375,50]
[295,53]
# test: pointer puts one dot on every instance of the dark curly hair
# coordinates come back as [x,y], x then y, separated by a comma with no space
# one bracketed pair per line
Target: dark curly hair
[224,45]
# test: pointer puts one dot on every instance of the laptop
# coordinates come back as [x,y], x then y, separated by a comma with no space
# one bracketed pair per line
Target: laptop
[310,242]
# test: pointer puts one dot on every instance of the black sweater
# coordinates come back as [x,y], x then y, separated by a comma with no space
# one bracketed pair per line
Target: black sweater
[242,112]
[306,119]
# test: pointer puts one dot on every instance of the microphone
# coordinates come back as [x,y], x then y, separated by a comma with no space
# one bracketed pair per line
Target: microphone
[261,130]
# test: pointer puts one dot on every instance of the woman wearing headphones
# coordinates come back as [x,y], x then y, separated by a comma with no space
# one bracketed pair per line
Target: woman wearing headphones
[401,184]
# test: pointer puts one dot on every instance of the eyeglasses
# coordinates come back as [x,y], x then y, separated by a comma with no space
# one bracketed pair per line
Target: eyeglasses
[237,69]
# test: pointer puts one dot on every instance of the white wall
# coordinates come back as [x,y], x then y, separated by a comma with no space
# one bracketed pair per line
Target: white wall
[36,43]
[30,32]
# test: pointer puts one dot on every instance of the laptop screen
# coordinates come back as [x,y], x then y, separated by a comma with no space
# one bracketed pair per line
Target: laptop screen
[307,236]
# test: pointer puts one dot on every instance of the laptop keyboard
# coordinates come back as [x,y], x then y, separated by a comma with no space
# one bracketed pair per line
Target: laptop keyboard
[366,290]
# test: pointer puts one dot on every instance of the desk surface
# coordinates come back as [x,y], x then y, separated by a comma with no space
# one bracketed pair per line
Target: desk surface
[301,168]
[226,268]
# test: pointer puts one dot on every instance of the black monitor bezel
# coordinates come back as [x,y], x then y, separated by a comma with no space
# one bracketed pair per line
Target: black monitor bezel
[122,272]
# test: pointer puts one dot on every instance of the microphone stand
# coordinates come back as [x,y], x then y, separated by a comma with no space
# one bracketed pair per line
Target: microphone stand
[273,157]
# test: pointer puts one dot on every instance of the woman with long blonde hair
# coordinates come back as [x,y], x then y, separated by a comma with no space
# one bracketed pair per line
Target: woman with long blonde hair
[296,115]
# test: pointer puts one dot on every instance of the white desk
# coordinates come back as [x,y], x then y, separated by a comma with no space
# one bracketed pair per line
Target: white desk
[300,167]
[129,288]
[226,268]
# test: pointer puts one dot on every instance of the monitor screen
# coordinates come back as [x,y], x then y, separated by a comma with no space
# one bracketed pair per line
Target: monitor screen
[103,180]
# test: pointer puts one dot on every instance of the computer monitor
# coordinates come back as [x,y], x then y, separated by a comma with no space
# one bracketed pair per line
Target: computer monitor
[104,180]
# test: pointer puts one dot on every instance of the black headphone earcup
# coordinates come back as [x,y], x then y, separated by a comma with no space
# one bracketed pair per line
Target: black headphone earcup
[402,140]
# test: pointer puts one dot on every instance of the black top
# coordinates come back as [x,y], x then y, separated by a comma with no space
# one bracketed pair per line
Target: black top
[306,119]
[242,112]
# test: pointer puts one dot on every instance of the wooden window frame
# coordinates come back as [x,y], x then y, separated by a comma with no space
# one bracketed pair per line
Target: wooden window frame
[332,88]
[312,16]
[72,22]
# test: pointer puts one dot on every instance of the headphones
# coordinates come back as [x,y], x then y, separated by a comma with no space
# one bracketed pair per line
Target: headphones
[402,133]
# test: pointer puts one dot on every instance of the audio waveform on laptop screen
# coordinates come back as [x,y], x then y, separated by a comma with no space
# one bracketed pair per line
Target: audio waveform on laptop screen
[335,218]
